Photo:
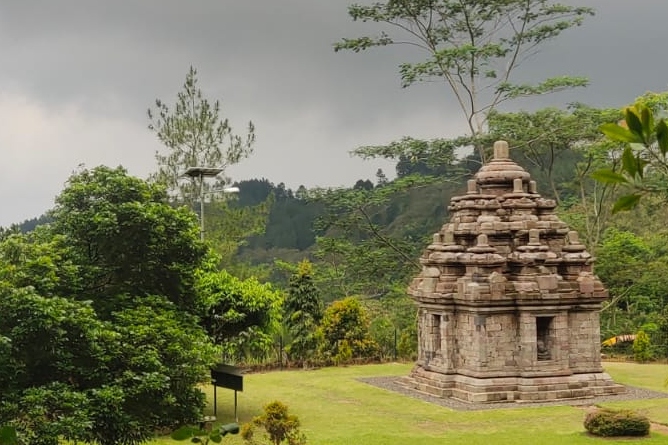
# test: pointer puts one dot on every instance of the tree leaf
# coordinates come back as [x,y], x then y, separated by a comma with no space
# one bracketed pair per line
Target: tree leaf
[608,176]
[633,121]
[619,133]
[629,164]
[647,119]
[626,202]
[662,136]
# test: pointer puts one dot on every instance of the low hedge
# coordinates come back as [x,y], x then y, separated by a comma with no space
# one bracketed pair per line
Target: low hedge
[613,423]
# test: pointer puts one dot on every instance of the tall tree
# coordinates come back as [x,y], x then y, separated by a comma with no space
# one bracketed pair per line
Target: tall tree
[303,311]
[195,135]
[474,46]
[127,240]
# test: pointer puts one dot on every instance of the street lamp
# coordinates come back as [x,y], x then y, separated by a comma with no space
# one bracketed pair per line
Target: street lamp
[201,173]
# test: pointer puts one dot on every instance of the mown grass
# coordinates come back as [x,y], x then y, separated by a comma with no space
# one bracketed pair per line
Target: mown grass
[337,409]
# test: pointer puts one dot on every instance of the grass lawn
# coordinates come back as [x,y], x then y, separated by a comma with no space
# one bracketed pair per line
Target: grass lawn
[336,409]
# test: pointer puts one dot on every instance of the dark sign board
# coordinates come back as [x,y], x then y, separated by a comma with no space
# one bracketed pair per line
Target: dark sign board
[226,376]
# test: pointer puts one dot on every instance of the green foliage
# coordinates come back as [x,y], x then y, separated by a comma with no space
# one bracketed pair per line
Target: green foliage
[288,234]
[303,311]
[8,435]
[229,226]
[66,373]
[644,161]
[434,153]
[383,332]
[279,427]
[170,356]
[407,345]
[241,315]
[551,144]
[621,259]
[393,324]
[633,267]
[195,135]
[345,325]
[125,240]
[123,355]
[642,351]
[361,253]
[473,46]
[611,423]
[37,259]
[290,219]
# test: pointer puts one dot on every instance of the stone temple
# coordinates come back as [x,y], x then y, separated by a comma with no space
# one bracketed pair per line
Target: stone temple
[508,306]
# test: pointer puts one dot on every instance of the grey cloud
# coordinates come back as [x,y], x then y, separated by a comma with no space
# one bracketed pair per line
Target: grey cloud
[270,61]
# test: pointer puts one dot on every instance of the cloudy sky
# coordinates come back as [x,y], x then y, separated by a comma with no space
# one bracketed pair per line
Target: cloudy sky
[78,75]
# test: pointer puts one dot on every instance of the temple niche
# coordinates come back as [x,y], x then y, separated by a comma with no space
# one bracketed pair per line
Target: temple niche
[508,306]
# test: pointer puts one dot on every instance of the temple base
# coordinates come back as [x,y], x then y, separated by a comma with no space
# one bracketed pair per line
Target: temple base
[512,389]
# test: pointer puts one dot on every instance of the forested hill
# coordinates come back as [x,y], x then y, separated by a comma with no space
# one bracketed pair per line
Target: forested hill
[297,217]
[292,222]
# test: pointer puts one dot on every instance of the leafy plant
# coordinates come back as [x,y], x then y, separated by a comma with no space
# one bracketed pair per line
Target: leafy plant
[279,426]
[345,331]
[610,423]
[644,160]
[303,312]
[241,315]
[125,239]
[642,350]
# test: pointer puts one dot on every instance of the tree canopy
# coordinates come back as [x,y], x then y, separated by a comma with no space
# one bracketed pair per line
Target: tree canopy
[474,46]
[126,240]
[195,135]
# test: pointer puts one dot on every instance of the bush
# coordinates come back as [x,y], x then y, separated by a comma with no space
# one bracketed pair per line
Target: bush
[611,423]
[346,324]
[642,351]
[279,427]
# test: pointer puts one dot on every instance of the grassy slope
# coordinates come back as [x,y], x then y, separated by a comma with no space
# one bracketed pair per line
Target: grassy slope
[336,409]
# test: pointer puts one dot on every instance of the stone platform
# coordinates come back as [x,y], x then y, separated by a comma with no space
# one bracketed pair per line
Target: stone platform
[511,389]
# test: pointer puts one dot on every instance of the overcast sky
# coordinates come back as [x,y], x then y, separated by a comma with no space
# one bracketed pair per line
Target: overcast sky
[78,75]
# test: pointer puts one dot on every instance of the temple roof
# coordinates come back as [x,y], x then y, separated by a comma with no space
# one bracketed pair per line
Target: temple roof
[503,228]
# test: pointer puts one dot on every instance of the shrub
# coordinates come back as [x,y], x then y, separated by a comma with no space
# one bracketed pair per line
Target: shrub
[344,354]
[642,351]
[407,346]
[611,423]
[346,324]
[279,426]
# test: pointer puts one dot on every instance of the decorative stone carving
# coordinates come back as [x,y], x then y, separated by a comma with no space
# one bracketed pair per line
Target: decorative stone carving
[508,306]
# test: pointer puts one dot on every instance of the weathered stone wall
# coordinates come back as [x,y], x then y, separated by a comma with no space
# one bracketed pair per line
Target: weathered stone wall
[487,344]
[585,340]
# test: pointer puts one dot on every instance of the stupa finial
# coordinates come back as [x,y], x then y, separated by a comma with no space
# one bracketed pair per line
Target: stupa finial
[501,151]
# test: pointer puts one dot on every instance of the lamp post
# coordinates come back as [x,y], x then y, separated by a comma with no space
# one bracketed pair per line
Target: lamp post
[201,173]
